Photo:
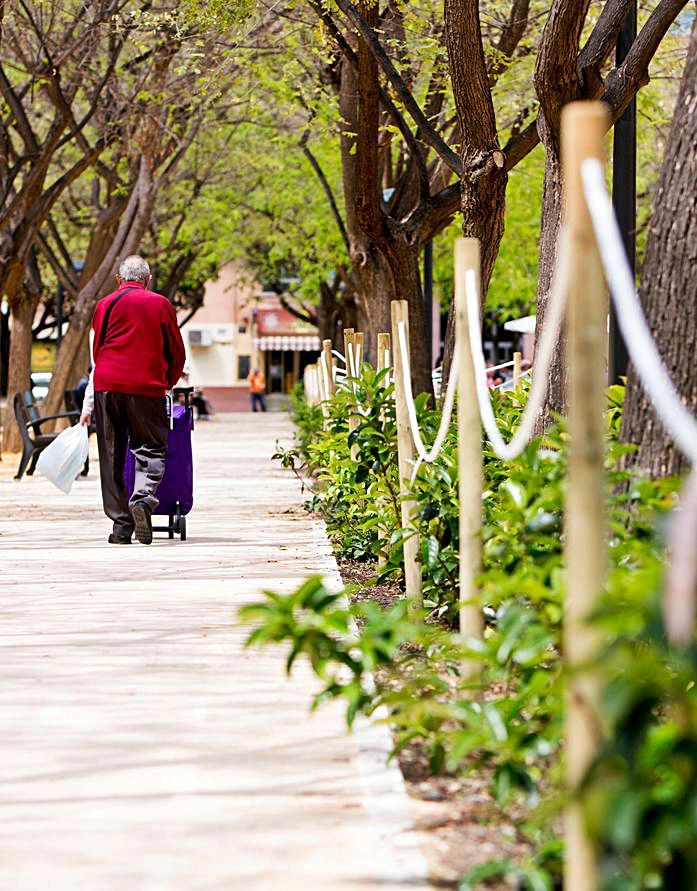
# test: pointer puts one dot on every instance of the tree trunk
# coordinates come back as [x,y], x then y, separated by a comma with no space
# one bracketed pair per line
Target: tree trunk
[4,350]
[557,81]
[375,288]
[549,229]
[376,291]
[408,287]
[668,284]
[484,178]
[385,261]
[19,377]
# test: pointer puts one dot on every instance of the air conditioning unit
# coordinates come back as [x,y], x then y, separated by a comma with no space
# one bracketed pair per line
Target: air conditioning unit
[224,335]
[200,337]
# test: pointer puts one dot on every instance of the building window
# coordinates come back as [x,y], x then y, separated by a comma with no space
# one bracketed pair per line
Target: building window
[243,367]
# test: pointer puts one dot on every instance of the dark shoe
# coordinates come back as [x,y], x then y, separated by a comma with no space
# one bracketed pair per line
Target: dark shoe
[141,517]
[118,539]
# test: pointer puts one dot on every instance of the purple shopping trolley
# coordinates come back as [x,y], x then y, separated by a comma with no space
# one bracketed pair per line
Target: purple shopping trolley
[176,491]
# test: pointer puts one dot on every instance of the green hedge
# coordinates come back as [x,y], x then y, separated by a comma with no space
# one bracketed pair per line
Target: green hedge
[640,795]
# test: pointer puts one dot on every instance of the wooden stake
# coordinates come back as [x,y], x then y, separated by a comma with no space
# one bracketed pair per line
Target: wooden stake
[383,351]
[517,367]
[469,448]
[405,452]
[358,358]
[350,354]
[329,365]
[319,381]
[359,350]
[322,394]
[584,125]
[383,363]
[309,380]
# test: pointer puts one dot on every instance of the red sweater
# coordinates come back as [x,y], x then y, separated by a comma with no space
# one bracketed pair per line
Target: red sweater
[143,352]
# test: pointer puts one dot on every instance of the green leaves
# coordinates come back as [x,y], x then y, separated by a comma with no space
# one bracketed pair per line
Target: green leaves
[640,795]
[320,625]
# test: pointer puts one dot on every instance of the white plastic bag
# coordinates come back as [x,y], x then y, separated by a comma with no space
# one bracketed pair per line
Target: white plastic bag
[63,459]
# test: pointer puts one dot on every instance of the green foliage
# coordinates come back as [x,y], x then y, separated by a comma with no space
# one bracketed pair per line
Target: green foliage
[359,499]
[542,872]
[640,795]
[641,792]
[321,625]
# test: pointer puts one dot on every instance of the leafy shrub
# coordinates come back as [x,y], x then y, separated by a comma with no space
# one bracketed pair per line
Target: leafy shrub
[641,792]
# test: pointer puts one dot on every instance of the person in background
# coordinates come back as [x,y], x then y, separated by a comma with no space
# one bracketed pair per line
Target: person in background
[138,356]
[204,411]
[493,378]
[257,388]
[82,385]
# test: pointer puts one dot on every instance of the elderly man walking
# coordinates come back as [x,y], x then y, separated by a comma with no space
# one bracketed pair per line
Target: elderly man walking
[138,356]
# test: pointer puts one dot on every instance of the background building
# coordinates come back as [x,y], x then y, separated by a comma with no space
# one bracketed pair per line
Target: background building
[240,327]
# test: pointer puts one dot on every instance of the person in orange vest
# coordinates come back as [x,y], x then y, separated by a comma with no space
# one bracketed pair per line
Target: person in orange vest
[257,387]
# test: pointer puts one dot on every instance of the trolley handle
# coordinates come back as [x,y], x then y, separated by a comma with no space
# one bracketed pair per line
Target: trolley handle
[187,391]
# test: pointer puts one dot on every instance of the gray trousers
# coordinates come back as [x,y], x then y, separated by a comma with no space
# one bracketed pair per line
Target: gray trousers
[119,416]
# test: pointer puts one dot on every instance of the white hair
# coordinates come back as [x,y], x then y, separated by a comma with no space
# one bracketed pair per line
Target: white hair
[134,269]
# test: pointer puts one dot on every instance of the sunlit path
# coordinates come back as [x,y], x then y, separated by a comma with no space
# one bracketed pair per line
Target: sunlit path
[141,746]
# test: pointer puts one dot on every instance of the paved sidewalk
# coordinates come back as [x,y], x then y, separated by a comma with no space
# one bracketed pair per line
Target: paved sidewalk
[141,748]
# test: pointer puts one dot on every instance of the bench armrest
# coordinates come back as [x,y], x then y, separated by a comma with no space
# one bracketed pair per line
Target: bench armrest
[63,414]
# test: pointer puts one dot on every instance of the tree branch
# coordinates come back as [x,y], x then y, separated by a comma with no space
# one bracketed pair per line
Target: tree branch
[624,82]
[430,136]
[520,145]
[314,163]
[601,42]
[62,273]
[350,56]
[511,35]
[302,314]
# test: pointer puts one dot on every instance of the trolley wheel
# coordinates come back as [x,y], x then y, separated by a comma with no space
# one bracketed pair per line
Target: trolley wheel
[177,525]
[182,528]
[170,531]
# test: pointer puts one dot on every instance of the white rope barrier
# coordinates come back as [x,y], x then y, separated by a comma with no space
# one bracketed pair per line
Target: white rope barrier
[545,352]
[352,362]
[524,375]
[502,365]
[353,365]
[427,456]
[630,317]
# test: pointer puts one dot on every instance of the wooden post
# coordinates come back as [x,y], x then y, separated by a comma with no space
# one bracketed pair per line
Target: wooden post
[349,335]
[517,366]
[351,371]
[316,391]
[329,387]
[359,350]
[584,125]
[358,358]
[322,394]
[383,362]
[383,351]
[319,381]
[405,452]
[469,447]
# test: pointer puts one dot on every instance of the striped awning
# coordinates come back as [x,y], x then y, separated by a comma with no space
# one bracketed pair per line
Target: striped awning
[299,342]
